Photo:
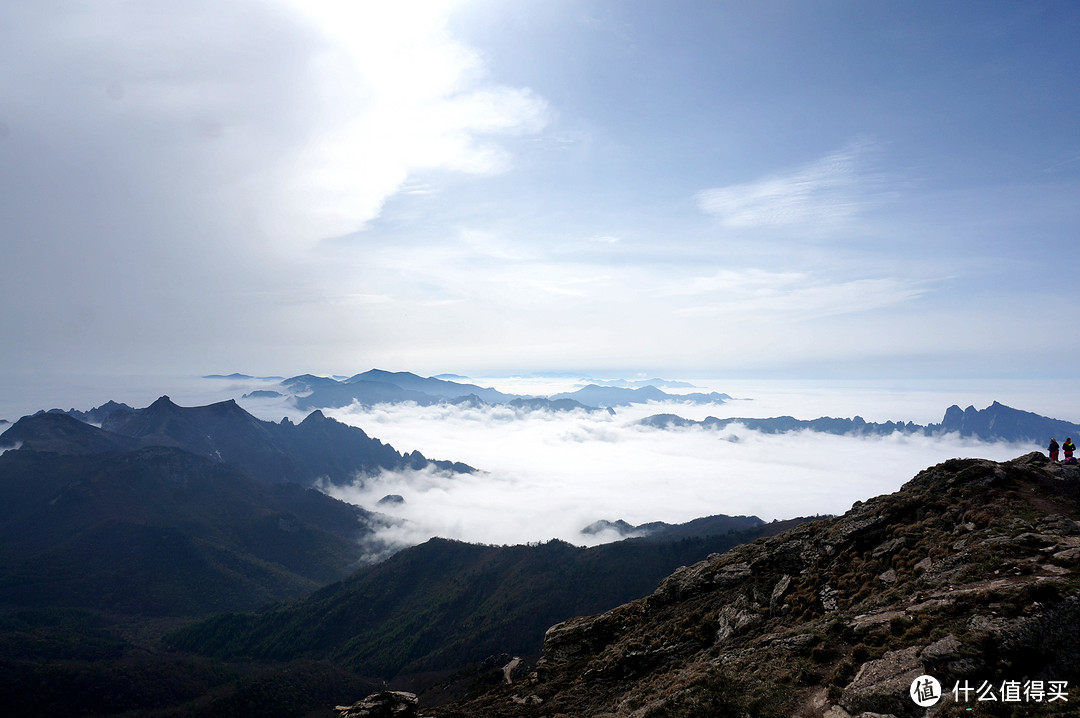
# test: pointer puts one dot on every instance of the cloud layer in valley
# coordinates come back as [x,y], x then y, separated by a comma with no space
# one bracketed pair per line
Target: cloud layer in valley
[548,475]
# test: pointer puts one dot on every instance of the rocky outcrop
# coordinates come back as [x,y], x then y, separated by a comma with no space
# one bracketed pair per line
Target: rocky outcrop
[969,573]
[384,704]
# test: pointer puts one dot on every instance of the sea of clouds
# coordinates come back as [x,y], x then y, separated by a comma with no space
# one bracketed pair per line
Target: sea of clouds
[544,475]
[549,474]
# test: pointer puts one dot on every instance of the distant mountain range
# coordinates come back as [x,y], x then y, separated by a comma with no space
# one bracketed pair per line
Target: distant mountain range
[997,422]
[657,382]
[380,387]
[97,415]
[609,396]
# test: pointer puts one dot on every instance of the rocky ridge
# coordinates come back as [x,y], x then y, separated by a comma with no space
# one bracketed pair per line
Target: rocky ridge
[969,573]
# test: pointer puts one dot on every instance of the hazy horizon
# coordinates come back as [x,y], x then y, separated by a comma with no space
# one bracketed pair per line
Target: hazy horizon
[546,475]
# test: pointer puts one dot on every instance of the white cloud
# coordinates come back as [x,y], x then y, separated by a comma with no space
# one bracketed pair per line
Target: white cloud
[551,474]
[401,95]
[824,194]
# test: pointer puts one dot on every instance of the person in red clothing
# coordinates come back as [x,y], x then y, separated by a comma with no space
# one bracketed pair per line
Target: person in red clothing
[1068,447]
[1053,449]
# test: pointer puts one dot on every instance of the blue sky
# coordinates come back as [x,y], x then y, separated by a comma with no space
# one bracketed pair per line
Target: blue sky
[710,188]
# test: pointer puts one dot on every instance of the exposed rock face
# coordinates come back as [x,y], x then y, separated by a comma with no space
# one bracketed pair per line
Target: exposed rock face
[882,686]
[970,572]
[384,704]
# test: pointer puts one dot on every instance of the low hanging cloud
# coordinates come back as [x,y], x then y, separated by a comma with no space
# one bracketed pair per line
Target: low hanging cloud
[550,474]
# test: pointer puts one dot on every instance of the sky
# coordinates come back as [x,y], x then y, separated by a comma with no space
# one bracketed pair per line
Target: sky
[776,189]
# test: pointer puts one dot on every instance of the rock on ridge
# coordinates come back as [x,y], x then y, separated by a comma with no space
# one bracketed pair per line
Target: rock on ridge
[384,704]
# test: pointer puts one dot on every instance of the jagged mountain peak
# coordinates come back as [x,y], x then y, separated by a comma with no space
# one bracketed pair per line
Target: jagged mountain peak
[163,402]
[315,417]
[318,448]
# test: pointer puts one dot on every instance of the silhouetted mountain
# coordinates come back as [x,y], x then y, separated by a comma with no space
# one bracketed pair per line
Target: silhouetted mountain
[707,526]
[105,535]
[444,604]
[63,434]
[967,574]
[621,528]
[658,383]
[541,404]
[609,396]
[660,531]
[997,422]
[97,415]
[431,385]
[319,448]
[783,424]
[328,448]
[332,394]
[378,387]
[307,382]
[161,531]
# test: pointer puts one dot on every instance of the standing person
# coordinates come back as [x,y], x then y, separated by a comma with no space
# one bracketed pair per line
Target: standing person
[1068,447]
[1053,449]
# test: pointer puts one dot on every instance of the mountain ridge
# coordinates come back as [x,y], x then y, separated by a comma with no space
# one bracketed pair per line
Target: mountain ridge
[379,386]
[446,604]
[996,422]
[318,448]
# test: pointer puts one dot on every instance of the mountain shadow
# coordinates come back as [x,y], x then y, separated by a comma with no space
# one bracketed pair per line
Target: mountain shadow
[446,604]
[160,531]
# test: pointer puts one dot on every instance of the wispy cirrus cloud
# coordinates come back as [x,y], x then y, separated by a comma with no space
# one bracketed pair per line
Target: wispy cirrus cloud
[825,194]
[754,293]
